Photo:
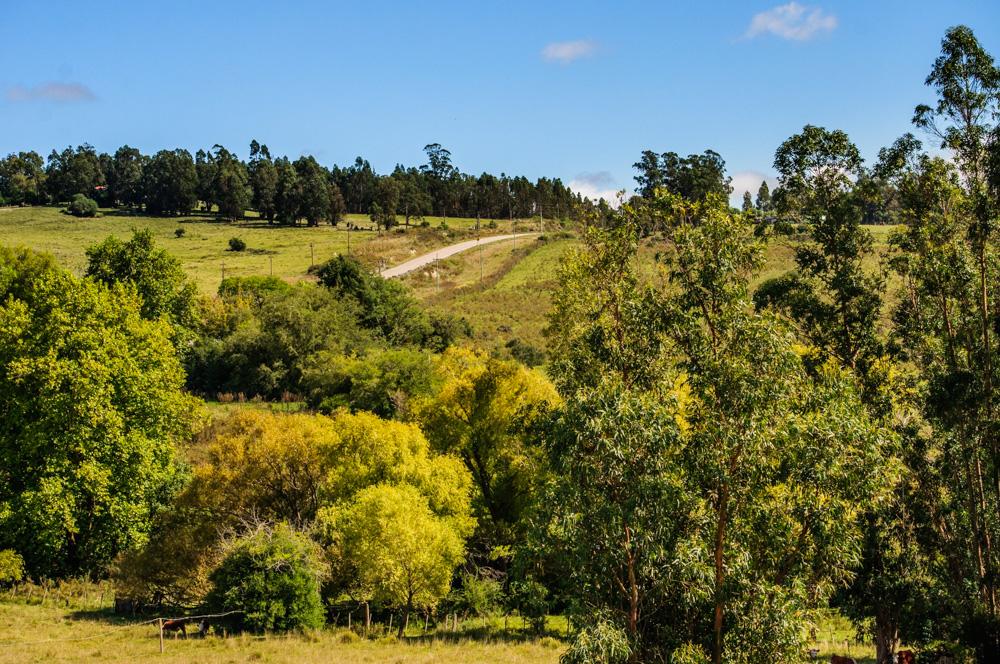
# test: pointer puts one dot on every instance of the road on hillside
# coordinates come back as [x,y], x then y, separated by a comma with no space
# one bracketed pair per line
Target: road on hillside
[445,252]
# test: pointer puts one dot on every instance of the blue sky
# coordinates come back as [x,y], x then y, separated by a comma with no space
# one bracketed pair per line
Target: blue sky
[574,90]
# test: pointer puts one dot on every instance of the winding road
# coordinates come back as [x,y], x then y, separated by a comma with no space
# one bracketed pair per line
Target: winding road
[445,252]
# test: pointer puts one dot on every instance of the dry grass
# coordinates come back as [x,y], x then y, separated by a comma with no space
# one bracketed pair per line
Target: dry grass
[50,634]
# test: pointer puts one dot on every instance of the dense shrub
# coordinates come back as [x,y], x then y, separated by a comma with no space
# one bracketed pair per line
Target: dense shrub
[381,382]
[81,206]
[270,467]
[11,567]
[387,307]
[273,575]
[254,287]
[237,244]
[179,232]
[525,353]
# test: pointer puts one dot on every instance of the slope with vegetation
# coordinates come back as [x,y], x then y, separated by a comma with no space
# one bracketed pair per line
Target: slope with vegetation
[751,424]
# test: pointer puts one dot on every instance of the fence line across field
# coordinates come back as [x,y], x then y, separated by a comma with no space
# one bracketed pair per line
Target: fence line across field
[159,622]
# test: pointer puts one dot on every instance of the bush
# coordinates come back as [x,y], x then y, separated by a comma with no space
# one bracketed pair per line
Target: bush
[255,287]
[11,567]
[525,353]
[81,206]
[236,244]
[273,575]
[601,643]
[179,232]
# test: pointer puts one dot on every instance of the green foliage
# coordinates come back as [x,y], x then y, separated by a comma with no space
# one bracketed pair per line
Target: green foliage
[525,353]
[383,382]
[483,413]
[386,306]
[603,642]
[400,552]
[256,288]
[694,177]
[157,276]
[711,479]
[271,468]
[73,172]
[81,206]
[260,344]
[22,179]
[531,599]
[91,403]
[170,183]
[273,576]
[480,595]
[236,244]
[11,567]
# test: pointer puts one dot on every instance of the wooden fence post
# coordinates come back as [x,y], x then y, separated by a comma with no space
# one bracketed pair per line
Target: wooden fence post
[159,623]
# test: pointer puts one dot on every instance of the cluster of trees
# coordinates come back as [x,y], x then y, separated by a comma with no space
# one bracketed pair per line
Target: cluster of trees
[279,189]
[422,462]
[728,460]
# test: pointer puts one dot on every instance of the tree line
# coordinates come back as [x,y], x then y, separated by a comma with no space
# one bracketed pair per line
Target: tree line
[279,189]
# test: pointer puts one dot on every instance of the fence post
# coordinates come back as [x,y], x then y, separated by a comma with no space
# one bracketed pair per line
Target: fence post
[159,623]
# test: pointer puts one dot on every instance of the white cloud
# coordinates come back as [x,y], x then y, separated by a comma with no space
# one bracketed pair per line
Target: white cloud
[568,51]
[596,185]
[744,181]
[791,21]
[56,92]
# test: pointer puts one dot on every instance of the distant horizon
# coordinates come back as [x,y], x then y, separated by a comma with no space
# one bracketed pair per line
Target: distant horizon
[561,91]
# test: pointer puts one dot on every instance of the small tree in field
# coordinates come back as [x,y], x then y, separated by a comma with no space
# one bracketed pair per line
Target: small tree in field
[400,552]
[273,575]
[81,206]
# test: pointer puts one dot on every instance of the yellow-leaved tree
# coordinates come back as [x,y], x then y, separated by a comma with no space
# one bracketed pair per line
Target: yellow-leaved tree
[484,413]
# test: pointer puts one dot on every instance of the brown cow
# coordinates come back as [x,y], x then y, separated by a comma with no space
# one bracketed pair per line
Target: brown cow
[176,626]
[837,659]
[906,657]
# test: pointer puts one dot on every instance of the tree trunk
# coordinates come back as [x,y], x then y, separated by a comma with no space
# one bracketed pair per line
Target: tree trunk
[886,638]
[720,574]
[405,617]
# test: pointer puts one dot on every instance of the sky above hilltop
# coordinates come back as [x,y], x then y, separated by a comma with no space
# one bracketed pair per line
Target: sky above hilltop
[574,90]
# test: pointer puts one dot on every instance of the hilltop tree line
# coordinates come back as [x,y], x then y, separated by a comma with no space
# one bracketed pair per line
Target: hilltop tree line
[279,189]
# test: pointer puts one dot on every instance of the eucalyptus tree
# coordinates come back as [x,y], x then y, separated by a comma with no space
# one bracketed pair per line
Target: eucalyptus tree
[709,479]
[831,296]
[263,180]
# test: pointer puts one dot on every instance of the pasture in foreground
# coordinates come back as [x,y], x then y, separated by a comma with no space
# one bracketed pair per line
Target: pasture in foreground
[34,633]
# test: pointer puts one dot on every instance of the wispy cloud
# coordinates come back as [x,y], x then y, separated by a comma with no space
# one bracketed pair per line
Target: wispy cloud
[568,51]
[62,93]
[791,21]
[600,184]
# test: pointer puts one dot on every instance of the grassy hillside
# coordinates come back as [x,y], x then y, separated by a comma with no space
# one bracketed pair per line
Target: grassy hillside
[204,247]
[506,293]
[504,290]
